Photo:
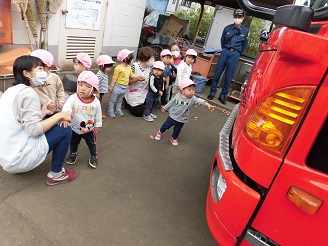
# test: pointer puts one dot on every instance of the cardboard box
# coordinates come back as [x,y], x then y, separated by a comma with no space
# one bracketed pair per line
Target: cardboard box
[174,27]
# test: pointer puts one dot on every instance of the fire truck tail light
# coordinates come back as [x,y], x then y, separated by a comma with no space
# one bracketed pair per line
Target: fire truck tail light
[303,200]
[275,119]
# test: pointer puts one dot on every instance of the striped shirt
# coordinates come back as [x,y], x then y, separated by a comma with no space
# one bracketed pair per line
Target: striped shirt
[103,81]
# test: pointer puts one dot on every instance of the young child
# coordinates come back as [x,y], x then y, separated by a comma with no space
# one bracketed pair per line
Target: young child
[52,92]
[179,107]
[166,58]
[156,86]
[82,62]
[184,69]
[86,110]
[120,82]
[105,64]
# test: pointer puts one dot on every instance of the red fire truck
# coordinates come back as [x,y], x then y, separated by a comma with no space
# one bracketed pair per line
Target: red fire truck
[269,176]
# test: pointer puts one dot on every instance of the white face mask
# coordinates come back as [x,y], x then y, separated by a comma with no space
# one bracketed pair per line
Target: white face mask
[150,62]
[175,53]
[237,21]
[40,78]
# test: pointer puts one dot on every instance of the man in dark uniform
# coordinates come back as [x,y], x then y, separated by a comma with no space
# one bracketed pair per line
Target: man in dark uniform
[234,40]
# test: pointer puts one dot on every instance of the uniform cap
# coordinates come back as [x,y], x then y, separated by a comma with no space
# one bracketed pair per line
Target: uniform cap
[238,12]
[191,52]
[46,57]
[85,59]
[185,83]
[122,54]
[165,52]
[159,65]
[90,78]
[104,59]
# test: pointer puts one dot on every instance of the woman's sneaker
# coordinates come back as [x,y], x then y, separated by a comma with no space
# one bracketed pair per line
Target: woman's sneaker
[66,176]
[119,112]
[148,118]
[71,159]
[174,141]
[111,114]
[93,161]
[158,136]
[154,116]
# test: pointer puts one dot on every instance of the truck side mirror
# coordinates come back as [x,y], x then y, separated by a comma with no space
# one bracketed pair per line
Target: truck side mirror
[294,16]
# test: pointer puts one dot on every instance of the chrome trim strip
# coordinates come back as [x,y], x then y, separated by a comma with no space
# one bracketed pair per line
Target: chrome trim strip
[224,139]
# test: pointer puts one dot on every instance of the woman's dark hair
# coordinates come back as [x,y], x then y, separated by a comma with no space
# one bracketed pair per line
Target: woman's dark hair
[25,63]
[128,59]
[145,53]
[103,67]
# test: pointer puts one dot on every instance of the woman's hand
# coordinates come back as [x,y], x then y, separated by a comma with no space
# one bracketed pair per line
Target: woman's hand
[66,116]
[64,123]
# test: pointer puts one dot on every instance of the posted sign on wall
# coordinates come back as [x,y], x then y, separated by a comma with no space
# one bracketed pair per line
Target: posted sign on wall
[6,30]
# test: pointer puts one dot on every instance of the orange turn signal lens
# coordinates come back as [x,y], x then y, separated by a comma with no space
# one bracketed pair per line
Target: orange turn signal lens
[303,200]
[275,119]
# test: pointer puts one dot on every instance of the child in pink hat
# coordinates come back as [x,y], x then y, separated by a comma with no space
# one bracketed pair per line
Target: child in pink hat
[179,109]
[86,110]
[120,81]
[52,92]
[184,69]
[82,62]
[105,64]
[156,88]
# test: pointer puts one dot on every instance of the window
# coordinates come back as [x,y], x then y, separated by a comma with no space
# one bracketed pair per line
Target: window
[318,157]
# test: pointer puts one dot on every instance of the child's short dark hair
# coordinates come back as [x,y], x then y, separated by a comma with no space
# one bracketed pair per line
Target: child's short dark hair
[103,67]
[145,53]
[128,59]
[25,63]
[75,60]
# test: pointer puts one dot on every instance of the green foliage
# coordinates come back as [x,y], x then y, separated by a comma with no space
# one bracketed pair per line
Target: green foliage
[255,29]
[193,14]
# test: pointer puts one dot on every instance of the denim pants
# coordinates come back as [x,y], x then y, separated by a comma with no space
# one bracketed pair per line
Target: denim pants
[117,96]
[58,139]
[151,101]
[228,60]
[90,139]
[169,123]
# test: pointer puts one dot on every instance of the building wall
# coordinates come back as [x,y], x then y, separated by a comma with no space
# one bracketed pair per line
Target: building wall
[120,27]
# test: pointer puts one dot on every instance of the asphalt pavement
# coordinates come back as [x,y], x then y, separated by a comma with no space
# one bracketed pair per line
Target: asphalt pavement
[143,192]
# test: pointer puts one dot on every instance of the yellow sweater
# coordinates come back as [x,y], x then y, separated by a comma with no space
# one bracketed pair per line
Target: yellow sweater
[123,74]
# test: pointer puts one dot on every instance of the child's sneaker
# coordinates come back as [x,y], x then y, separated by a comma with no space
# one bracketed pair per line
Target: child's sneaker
[111,114]
[119,112]
[148,118]
[93,161]
[174,141]
[154,116]
[66,176]
[158,135]
[71,159]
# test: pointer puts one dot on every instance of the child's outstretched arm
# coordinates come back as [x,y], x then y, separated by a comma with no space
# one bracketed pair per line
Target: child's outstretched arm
[210,107]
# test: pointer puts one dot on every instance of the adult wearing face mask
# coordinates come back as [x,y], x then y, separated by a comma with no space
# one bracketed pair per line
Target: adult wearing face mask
[137,90]
[234,40]
[26,139]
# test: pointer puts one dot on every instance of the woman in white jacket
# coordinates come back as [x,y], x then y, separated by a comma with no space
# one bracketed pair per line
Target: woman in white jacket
[26,139]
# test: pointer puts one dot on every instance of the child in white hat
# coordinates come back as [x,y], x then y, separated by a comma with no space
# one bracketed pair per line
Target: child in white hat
[52,92]
[105,64]
[86,111]
[120,82]
[179,108]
